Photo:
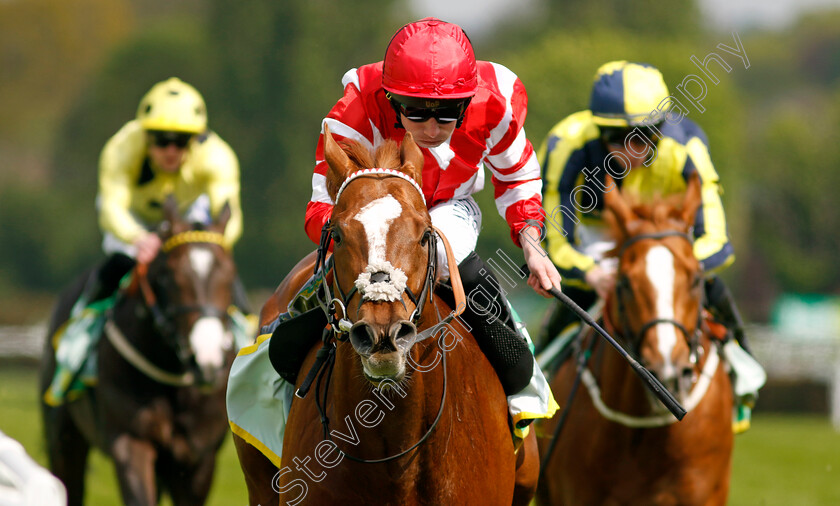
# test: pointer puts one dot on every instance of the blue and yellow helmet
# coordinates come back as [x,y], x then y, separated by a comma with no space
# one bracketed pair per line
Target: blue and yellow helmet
[626,93]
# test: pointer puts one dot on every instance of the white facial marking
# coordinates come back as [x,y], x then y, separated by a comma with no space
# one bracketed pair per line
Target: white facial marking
[659,264]
[209,342]
[376,217]
[201,260]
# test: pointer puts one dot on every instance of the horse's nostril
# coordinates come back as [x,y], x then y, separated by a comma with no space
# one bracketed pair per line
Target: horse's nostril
[403,333]
[362,337]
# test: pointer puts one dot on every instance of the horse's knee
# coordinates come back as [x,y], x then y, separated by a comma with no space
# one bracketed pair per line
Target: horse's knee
[134,460]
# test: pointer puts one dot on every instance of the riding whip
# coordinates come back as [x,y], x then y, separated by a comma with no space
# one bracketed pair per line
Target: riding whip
[653,384]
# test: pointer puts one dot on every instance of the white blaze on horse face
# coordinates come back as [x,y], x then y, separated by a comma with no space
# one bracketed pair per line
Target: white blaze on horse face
[201,260]
[208,337]
[659,264]
[209,340]
[376,218]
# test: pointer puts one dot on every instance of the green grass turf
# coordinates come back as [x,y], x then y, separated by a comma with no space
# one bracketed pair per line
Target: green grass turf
[20,418]
[783,460]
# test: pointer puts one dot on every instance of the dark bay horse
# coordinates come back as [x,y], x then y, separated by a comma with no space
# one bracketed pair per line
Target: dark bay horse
[158,409]
[618,444]
[390,389]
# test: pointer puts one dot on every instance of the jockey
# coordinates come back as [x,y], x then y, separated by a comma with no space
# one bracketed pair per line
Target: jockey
[463,114]
[637,133]
[166,150]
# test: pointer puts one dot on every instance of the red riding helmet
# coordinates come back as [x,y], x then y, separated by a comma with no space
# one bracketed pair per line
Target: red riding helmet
[430,59]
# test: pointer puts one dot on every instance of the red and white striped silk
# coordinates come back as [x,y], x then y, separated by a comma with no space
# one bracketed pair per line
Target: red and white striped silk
[491,135]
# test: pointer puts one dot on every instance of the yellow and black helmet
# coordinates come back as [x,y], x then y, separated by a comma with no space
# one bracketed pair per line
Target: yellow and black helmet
[625,94]
[173,106]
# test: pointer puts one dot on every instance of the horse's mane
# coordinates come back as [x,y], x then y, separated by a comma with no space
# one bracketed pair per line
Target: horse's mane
[387,155]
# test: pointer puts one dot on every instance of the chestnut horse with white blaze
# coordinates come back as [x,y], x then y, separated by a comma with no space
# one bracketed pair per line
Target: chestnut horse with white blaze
[430,413]
[619,445]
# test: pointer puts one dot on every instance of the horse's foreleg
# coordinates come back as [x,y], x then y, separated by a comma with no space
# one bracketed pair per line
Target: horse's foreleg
[190,484]
[134,460]
[67,451]
[527,471]
[259,474]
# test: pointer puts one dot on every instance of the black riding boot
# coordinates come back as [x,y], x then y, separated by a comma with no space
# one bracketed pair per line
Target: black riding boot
[106,278]
[720,302]
[493,326]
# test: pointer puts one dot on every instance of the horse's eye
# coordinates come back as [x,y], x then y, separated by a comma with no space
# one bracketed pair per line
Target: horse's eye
[426,236]
[336,237]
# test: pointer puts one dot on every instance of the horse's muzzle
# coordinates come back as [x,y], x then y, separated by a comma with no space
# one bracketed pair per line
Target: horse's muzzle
[383,349]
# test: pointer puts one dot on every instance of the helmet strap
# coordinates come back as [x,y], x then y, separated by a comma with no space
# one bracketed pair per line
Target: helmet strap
[396,107]
[463,114]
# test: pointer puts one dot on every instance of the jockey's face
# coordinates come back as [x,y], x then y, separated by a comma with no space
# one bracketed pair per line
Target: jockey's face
[168,149]
[635,146]
[429,133]
[637,154]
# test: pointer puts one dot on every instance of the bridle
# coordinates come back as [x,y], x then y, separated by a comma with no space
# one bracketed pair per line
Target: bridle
[343,300]
[339,327]
[692,337]
[163,319]
[623,288]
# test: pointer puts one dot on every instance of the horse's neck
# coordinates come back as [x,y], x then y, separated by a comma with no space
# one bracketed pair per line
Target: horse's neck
[134,320]
[620,387]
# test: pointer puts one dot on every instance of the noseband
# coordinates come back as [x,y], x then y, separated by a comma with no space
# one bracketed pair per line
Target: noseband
[342,325]
[623,287]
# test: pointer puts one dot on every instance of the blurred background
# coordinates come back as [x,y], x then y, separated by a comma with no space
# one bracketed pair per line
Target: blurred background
[73,71]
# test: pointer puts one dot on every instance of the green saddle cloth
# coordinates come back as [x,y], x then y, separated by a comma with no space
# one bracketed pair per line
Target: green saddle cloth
[75,351]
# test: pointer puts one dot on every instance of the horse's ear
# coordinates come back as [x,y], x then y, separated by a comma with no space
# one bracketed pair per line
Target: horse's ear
[615,203]
[338,161]
[411,158]
[224,216]
[692,200]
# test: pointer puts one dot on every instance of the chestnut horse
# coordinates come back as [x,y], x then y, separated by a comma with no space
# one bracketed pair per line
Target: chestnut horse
[619,445]
[158,408]
[430,414]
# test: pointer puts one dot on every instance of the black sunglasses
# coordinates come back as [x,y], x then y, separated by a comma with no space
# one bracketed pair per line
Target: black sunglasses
[444,114]
[164,139]
[618,135]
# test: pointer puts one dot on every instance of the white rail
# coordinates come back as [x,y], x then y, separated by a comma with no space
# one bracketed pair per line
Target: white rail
[816,359]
